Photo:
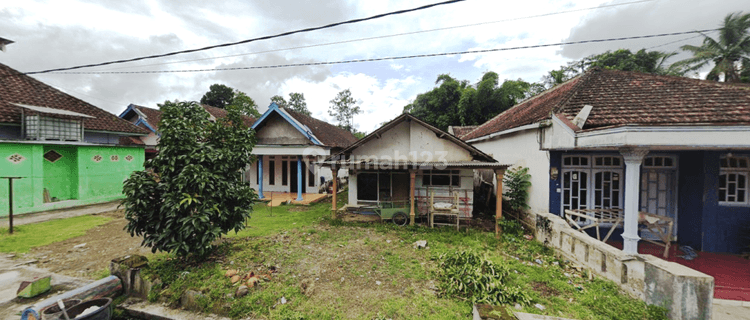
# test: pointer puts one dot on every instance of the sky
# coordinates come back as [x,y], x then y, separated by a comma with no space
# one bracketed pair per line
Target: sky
[64,33]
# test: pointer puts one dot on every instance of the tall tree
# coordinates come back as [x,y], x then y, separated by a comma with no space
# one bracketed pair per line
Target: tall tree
[279,100]
[218,96]
[439,106]
[245,104]
[343,107]
[728,54]
[192,191]
[297,103]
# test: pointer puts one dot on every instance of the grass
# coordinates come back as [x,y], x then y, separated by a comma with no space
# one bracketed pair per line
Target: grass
[28,236]
[334,270]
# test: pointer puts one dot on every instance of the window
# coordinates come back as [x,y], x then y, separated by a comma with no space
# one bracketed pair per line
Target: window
[284,173]
[592,182]
[441,178]
[659,162]
[733,176]
[48,128]
[272,171]
[311,175]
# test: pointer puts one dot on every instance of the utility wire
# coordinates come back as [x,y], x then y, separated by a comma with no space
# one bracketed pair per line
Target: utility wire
[254,39]
[385,36]
[391,58]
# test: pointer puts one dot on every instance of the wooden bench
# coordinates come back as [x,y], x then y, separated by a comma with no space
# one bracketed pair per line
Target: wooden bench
[584,219]
[445,209]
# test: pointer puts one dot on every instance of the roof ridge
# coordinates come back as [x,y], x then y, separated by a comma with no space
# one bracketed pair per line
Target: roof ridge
[519,105]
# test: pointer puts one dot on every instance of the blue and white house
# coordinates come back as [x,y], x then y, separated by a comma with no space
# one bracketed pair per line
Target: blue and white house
[288,144]
[671,146]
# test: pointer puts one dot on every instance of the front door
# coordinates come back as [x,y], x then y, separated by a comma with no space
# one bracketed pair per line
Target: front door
[659,190]
[293,176]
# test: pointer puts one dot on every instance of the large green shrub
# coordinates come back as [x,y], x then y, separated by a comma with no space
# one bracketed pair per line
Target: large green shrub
[517,184]
[192,191]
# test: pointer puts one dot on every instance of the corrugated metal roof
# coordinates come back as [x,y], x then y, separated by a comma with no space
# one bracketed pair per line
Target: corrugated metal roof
[415,165]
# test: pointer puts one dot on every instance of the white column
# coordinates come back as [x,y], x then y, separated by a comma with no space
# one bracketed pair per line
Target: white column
[633,158]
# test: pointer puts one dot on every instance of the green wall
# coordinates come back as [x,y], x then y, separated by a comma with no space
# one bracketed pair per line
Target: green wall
[61,176]
[89,181]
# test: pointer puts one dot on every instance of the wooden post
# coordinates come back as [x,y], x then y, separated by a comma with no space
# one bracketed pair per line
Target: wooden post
[412,176]
[499,201]
[335,173]
[10,203]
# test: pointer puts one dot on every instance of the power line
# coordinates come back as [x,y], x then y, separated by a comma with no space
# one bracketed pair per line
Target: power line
[386,36]
[391,58]
[676,41]
[254,39]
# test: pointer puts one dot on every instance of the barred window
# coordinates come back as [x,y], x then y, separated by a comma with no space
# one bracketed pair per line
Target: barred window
[733,177]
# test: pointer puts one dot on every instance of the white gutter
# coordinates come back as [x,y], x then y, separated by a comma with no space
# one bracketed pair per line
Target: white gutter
[509,131]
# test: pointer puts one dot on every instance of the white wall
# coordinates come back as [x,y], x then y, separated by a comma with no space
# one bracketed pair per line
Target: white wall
[522,149]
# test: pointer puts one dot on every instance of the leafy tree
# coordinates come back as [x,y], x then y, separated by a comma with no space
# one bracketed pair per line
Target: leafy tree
[439,106]
[192,191]
[279,100]
[729,53]
[517,182]
[297,103]
[245,104]
[641,61]
[343,108]
[218,96]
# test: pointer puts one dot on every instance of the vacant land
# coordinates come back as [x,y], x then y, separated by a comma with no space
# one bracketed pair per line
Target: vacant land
[315,267]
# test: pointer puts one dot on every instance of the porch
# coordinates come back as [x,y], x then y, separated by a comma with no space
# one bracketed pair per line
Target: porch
[277,198]
[731,272]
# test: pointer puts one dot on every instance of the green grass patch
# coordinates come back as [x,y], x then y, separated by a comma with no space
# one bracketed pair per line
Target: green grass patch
[266,220]
[334,270]
[28,236]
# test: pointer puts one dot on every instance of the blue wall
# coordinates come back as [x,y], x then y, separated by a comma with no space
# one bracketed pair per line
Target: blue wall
[691,176]
[722,225]
[555,161]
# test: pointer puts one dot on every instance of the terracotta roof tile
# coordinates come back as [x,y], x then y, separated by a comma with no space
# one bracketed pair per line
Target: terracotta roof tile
[153,116]
[530,111]
[460,131]
[630,98]
[16,87]
[328,134]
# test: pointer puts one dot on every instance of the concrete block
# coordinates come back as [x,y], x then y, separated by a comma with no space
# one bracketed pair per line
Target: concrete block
[686,293]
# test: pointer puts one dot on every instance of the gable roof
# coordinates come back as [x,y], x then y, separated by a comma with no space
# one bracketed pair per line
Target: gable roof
[476,153]
[150,117]
[460,131]
[319,132]
[17,88]
[629,98]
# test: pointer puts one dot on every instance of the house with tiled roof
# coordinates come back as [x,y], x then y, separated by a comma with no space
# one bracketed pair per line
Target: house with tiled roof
[670,146]
[67,152]
[148,119]
[289,143]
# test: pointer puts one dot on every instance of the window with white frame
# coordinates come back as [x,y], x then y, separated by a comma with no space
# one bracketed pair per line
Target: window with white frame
[591,182]
[733,175]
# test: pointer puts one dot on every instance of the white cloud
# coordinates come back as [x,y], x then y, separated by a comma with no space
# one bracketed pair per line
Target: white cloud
[396,66]
[380,101]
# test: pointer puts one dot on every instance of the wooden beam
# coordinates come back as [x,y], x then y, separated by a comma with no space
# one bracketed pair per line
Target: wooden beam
[412,177]
[335,173]
[499,201]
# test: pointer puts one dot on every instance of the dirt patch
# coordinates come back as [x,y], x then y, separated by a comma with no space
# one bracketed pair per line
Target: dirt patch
[88,255]
[544,289]
[353,217]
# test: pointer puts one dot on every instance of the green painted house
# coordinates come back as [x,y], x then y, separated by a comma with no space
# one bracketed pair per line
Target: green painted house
[68,152]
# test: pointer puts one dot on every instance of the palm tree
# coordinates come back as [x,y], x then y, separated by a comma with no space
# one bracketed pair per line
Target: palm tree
[728,53]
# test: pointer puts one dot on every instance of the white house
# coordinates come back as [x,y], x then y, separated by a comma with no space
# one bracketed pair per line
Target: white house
[670,146]
[289,143]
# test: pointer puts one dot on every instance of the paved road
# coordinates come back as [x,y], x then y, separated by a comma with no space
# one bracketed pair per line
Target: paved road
[59,214]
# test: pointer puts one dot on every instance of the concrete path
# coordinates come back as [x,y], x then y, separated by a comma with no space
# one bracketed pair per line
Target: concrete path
[13,272]
[59,213]
[731,310]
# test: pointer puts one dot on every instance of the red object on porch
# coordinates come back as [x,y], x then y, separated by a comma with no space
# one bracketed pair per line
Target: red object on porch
[731,272]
